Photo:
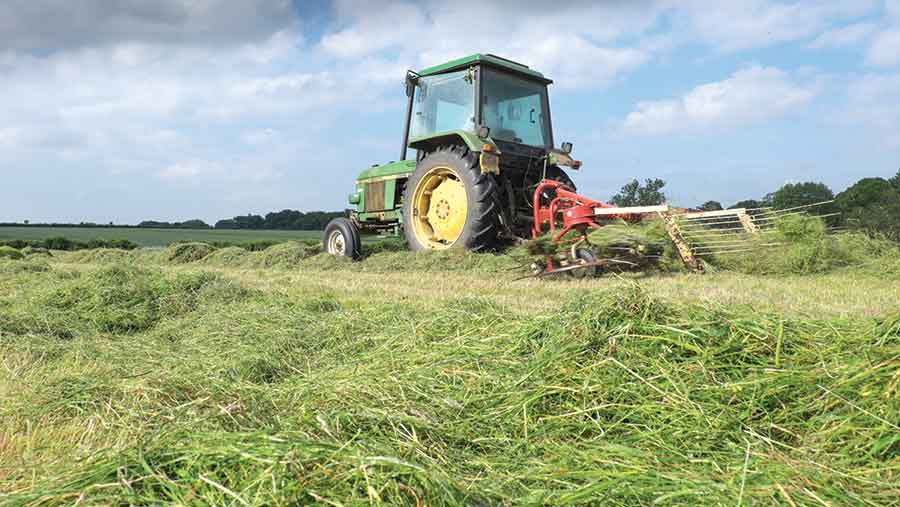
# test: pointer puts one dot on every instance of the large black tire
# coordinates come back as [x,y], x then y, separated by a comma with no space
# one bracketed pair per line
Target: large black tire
[482,225]
[555,173]
[341,238]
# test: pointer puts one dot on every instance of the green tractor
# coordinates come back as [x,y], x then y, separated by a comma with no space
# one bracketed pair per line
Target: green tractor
[480,127]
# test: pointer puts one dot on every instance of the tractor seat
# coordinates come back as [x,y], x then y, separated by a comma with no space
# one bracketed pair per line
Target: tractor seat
[509,135]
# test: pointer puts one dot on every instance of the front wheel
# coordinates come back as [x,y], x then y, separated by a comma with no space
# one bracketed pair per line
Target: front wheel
[341,238]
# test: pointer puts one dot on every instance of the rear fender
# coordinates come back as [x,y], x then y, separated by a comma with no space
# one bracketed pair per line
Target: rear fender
[453,137]
[475,144]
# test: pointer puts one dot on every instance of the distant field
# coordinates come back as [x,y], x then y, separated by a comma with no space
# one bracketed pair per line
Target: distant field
[153,237]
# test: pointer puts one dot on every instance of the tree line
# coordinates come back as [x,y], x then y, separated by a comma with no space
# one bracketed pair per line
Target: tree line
[287,219]
[870,204]
[187,224]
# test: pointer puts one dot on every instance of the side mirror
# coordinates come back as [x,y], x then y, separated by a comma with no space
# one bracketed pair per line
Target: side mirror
[566,148]
[410,84]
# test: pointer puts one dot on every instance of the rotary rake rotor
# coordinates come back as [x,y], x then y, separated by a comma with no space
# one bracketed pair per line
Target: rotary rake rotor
[568,217]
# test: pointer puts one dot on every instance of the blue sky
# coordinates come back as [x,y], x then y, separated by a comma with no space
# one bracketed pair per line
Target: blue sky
[179,109]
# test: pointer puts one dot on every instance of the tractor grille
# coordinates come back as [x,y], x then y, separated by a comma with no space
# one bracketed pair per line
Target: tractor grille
[374,198]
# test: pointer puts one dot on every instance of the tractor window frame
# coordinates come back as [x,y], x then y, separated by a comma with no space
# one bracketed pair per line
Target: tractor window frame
[544,100]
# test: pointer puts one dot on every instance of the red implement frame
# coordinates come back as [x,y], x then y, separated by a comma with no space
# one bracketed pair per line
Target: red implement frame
[573,211]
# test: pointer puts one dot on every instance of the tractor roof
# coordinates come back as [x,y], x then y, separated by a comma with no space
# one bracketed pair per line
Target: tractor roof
[487,59]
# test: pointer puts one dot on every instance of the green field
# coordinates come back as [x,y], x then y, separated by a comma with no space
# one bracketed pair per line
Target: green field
[286,378]
[154,237]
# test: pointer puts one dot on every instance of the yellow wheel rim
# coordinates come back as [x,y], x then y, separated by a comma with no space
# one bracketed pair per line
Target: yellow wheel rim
[439,208]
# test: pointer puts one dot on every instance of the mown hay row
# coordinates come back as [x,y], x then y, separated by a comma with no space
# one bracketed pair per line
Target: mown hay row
[7,252]
[117,299]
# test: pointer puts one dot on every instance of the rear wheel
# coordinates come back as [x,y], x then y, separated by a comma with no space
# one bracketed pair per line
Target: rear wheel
[448,203]
[342,238]
[555,173]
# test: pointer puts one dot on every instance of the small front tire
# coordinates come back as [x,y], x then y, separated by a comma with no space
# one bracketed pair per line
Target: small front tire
[341,238]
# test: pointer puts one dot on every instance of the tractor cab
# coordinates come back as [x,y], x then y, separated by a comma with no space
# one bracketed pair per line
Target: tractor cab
[481,96]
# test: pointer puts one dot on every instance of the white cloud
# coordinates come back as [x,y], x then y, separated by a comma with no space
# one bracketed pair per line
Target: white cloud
[875,88]
[180,171]
[892,9]
[875,100]
[51,25]
[844,36]
[110,103]
[261,137]
[285,84]
[578,44]
[373,28]
[885,49]
[745,24]
[872,111]
[10,137]
[749,95]
[244,170]
[575,62]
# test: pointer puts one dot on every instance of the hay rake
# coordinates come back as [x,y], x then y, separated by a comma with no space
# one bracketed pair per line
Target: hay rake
[736,230]
[567,217]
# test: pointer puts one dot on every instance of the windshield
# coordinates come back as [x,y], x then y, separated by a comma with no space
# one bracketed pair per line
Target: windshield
[443,102]
[514,108]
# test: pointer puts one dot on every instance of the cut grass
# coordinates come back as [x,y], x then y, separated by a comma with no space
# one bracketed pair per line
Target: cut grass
[286,387]
[7,252]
